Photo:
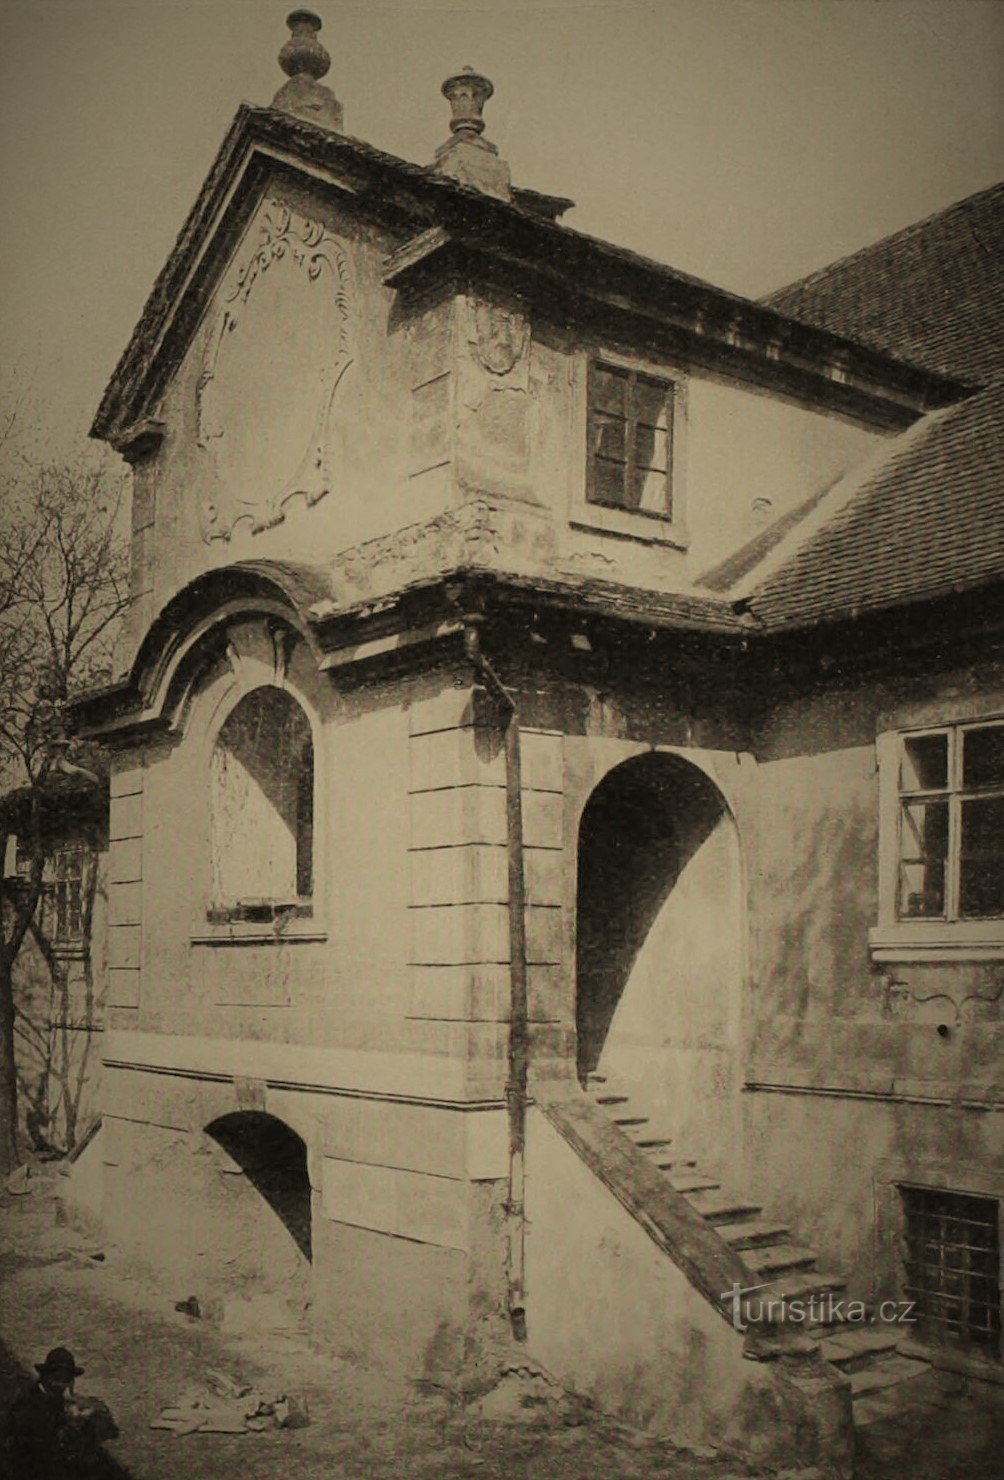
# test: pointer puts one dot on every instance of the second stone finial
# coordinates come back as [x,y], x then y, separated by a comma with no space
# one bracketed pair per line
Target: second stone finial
[305,60]
[466,156]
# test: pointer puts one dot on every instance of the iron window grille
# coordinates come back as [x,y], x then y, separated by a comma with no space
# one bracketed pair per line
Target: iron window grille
[952,1257]
[951,823]
[630,441]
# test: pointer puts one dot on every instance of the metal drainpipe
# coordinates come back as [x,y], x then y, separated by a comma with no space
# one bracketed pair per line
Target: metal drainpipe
[519,1041]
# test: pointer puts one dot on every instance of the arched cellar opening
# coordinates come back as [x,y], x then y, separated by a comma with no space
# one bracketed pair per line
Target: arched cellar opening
[263,1214]
[658,948]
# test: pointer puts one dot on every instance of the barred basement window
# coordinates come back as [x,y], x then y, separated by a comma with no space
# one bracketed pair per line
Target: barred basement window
[953,1267]
[262,810]
[630,441]
[951,824]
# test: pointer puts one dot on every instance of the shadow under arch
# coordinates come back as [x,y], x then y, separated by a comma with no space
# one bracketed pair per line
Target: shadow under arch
[273,1158]
[643,823]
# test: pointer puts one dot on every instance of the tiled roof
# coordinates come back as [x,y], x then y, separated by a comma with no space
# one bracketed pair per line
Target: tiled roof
[930,520]
[932,294]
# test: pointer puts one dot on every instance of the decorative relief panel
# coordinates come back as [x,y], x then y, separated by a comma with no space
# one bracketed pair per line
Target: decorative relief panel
[494,398]
[276,355]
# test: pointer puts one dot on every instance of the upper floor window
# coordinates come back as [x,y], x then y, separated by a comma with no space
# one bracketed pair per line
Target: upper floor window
[630,441]
[262,810]
[62,897]
[951,823]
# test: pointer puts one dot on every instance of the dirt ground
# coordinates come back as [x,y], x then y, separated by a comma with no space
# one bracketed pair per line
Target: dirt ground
[140,1355]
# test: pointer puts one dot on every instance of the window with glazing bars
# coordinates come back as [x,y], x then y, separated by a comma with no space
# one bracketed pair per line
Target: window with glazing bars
[62,896]
[630,441]
[951,823]
[953,1267]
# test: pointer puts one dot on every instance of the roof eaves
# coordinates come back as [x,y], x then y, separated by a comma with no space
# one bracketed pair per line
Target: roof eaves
[504,229]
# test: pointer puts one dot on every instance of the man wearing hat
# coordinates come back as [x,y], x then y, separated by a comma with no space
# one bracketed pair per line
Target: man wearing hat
[49,1435]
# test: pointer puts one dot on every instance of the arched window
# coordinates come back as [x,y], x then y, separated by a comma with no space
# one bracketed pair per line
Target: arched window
[262,810]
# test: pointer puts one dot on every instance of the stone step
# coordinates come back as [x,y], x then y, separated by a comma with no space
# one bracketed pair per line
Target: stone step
[804,1287]
[611,1099]
[624,1121]
[652,1143]
[887,1373]
[666,1163]
[693,1182]
[593,1078]
[721,1207]
[858,1346]
[753,1234]
[774,1259]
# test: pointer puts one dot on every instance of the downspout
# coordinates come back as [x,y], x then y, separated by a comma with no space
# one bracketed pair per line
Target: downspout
[519,1038]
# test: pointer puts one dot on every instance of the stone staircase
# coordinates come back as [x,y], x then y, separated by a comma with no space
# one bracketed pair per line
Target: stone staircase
[883,1380]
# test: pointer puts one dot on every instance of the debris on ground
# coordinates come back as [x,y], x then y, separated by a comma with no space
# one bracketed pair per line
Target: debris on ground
[189,1307]
[525,1393]
[224,1405]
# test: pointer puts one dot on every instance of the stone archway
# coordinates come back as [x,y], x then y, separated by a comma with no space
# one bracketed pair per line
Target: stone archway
[263,1210]
[658,948]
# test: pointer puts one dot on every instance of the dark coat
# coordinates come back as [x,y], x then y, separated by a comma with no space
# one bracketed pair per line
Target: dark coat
[35,1429]
[44,1441]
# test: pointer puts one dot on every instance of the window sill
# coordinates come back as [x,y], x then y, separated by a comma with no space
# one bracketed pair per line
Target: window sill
[285,930]
[630,524]
[938,940]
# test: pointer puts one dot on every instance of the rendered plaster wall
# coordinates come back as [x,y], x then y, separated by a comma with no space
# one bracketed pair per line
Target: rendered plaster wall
[898,1060]
[677,972]
[743,459]
[612,1315]
[660,958]
[407,1256]
[289,427]
[381,1044]
[318,413]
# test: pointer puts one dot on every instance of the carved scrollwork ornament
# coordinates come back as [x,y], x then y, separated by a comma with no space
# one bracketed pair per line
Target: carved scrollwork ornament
[288,243]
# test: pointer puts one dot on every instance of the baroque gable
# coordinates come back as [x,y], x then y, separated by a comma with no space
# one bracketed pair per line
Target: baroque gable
[280,342]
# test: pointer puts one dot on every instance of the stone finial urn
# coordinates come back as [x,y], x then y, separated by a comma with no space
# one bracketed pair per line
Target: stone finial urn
[305,61]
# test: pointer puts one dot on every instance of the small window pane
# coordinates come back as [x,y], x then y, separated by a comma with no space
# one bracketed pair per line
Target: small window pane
[925,763]
[608,437]
[609,390]
[922,889]
[608,482]
[924,849]
[983,756]
[650,402]
[652,448]
[649,491]
[981,867]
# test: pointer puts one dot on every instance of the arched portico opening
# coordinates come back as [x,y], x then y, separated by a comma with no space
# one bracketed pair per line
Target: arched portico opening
[266,1196]
[658,947]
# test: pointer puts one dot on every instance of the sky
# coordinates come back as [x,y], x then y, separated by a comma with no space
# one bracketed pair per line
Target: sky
[746,141]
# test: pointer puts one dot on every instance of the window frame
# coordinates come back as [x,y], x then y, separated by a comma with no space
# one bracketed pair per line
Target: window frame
[949,935]
[650,526]
[265,917]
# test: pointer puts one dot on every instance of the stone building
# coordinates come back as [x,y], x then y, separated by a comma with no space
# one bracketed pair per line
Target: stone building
[557,782]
